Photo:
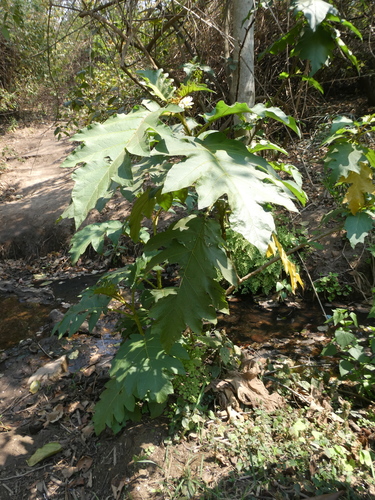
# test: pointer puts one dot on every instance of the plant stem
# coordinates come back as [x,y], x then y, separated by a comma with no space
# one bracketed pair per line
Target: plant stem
[155,221]
[182,119]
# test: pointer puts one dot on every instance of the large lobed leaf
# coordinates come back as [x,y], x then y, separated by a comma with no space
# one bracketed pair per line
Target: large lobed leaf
[343,158]
[315,11]
[106,153]
[90,307]
[158,82]
[94,234]
[218,166]
[195,244]
[358,227]
[316,46]
[141,370]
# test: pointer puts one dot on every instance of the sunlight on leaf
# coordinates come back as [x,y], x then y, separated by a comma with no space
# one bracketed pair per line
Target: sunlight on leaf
[361,185]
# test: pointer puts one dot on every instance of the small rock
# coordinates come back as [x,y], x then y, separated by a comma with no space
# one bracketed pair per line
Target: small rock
[55,316]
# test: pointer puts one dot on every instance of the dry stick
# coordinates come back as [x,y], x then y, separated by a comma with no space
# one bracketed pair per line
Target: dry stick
[297,394]
[24,474]
[45,352]
[277,258]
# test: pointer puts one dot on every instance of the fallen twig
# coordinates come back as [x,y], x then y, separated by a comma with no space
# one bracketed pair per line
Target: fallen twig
[24,474]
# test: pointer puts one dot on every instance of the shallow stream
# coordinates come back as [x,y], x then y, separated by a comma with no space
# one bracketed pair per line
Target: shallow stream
[250,323]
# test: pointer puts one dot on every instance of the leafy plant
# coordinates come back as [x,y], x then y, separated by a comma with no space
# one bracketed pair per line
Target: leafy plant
[247,258]
[209,355]
[158,157]
[312,38]
[357,363]
[331,287]
[350,163]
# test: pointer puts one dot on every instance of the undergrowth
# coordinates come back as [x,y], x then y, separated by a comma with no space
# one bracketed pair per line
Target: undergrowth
[291,453]
[248,258]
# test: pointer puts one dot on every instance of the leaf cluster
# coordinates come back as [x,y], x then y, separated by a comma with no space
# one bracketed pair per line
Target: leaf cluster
[315,35]
[350,163]
[356,347]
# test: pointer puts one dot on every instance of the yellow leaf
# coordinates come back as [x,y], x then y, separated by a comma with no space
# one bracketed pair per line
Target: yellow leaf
[271,250]
[289,267]
[361,184]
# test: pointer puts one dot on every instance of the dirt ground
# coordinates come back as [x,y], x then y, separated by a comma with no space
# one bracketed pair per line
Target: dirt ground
[132,465]
[34,191]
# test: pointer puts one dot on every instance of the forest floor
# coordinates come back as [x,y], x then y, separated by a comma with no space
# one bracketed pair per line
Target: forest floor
[315,444]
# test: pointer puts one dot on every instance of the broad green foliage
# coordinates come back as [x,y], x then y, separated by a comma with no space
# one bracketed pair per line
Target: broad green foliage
[94,235]
[141,371]
[314,37]
[195,244]
[159,159]
[357,352]
[350,163]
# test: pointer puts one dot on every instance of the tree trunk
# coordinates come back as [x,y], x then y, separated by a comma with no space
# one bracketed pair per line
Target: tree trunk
[243,82]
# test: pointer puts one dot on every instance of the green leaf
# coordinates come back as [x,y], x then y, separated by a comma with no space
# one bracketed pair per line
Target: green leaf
[338,123]
[46,451]
[219,166]
[263,144]
[92,183]
[315,11]
[115,407]
[358,353]
[141,369]
[343,158]
[159,83]
[91,306]
[143,207]
[196,245]
[314,83]
[94,234]
[316,46]
[277,114]
[329,350]
[105,152]
[346,51]
[190,87]
[281,44]
[103,141]
[346,24]
[358,227]
[344,338]
[345,367]
[222,109]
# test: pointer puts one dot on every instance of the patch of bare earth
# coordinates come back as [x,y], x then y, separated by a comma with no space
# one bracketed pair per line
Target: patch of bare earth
[34,191]
[135,464]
